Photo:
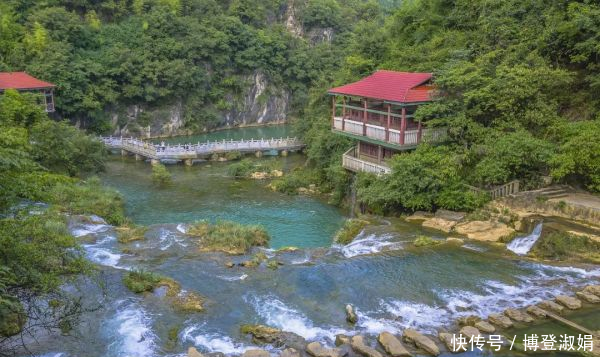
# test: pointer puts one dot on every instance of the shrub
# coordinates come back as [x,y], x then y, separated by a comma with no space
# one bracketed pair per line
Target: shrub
[160,175]
[246,167]
[350,230]
[229,237]
[424,241]
[563,245]
[140,281]
[233,155]
[290,183]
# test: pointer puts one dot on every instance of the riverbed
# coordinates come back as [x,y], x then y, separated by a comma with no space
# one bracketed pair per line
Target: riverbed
[392,284]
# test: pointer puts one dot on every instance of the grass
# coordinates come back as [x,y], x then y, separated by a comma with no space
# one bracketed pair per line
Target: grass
[140,281]
[300,177]
[350,230]
[129,233]
[233,155]
[563,245]
[246,167]
[424,241]
[229,237]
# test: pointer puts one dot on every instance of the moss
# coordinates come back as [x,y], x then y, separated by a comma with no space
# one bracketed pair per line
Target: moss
[273,264]
[229,237]
[563,245]
[129,233]
[140,281]
[12,317]
[287,249]
[258,330]
[173,287]
[350,230]
[188,302]
[172,337]
[424,241]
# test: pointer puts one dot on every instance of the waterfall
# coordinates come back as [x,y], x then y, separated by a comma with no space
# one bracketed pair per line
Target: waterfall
[522,246]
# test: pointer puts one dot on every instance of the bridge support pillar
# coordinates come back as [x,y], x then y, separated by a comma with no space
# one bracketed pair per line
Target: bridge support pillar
[138,157]
[123,152]
[284,153]
[154,162]
[258,154]
[188,162]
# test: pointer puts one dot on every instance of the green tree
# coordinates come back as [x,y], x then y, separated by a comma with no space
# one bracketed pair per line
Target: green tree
[160,175]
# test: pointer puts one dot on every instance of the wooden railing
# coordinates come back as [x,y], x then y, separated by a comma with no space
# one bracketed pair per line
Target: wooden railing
[352,163]
[507,189]
[376,132]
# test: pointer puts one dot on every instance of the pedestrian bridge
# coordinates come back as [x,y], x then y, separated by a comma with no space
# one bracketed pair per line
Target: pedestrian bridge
[187,152]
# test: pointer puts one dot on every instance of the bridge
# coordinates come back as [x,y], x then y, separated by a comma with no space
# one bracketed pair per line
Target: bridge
[188,152]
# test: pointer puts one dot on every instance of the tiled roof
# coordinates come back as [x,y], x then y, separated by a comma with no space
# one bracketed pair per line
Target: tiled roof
[21,80]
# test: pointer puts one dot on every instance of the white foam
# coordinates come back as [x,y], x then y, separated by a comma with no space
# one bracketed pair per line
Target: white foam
[277,314]
[134,337]
[103,256]
[182,228]
[369,244]
[86,229]
[416,315]
[522,245]
[212,341]
[233,278]
[167,239]
[474,247]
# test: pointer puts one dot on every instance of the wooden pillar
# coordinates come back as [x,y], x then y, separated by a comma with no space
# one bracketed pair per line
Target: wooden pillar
[333,112]
[389,122]
[420,132]
[365,118]
[343,113]
[379,152]
[403,125]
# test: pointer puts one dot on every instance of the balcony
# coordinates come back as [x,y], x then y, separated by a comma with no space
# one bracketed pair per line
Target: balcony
[388,137]
[353,163]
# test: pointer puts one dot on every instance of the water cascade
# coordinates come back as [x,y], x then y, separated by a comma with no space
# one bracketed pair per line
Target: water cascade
[522,246]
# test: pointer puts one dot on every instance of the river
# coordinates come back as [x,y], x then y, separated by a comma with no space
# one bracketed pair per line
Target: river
[392,284]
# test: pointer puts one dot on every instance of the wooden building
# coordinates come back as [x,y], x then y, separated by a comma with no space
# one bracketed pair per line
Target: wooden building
[378,111]
[23,82]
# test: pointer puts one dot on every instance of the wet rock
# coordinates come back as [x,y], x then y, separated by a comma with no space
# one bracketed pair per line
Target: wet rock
[592,289]
[454,240]
[536,311]
[290,352]
[229,264]
[441,224]
[256,353]
[485,327]
[350,314]
[450,215]
[518,315]
[317,350]
[446,338]
[273,336]
[468,320]
[469,331]
[392,345]
[422,342]
[359,346]
[188,301]
[587,297]
[552,306]
[419,216]
[341,339]
[484,230]
[193,352]
[215,354]
[500,320]
[569,301]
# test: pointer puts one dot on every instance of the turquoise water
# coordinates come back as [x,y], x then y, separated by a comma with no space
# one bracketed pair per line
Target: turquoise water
[254,132]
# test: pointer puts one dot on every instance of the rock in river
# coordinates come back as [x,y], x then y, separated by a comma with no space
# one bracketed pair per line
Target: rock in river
[290,352]
[273,336]
[342,339]
[484,230]
[350,314]
[422,342]
[359,346]
[392,345]
[317,350]
[485,327]
[193,352]
[569,301]
[500,320]
[592,289]
[518,315]
[469,331]
[552,306]
[536,311]
[441,224]
[256,353]
[587,297]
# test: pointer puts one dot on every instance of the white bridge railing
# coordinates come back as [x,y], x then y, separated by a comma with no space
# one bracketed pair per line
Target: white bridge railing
[185,151]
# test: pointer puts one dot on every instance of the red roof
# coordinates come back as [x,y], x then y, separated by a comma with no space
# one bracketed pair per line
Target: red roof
[21,80]
[402,87]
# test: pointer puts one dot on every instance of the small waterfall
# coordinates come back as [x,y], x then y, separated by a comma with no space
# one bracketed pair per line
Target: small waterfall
[522,246]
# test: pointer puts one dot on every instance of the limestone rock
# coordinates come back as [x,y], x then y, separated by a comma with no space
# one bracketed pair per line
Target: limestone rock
[592,289]
[350,314]
[587,297]
[518,315]
[500,320]
[341,339]
[260,175]
[419,216]
[468,320]
[450,215]
[422,342]
[569,301]
[273,336]
[392,345]
[256,353]
[290,352]
[484,230]
[485,327]
[469,331]
[316,350]
[536,311]
[439,224]
[552,306]
[359,346]
[446,338]
[229,264]
[454,240]
[276,173]
[193,352]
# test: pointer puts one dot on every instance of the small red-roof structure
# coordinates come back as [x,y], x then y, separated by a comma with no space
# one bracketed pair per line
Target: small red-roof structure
[390,86]
[22,81]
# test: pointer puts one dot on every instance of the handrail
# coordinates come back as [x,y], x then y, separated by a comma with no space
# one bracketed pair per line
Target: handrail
[507,189]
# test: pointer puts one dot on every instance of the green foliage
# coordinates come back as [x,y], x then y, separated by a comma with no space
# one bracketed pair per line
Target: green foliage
[140,281]
[424,241]
[160,175]
[351,228]
[561,245]
[299,177]
[246,167]
[233,155]
[229,237]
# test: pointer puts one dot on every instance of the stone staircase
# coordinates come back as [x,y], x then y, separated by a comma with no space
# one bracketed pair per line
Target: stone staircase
[553,192]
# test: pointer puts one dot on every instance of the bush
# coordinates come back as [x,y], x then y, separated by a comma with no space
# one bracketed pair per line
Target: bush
[246,167]
[350,230]
[300,177]
[424,241]
[160,175]
[229,237]
[233,155]
[140,281]
[562,245]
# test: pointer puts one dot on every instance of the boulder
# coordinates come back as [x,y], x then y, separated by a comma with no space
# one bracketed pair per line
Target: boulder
[468,320]
[552,306]
[454,240]
[536,311]
[276,173]
[256,353]
[441,224]
[446,338]
[229,264]
[273,336]
[569,301]
[392,345]
[358,345]
[419,216]
[592,289]
[587,297]
[518,315]
[316,350]
[422,342]
[350,314]
[259,175]
[342,339]
[469,331]
[215,354]
[193,352]
[485,327]
[484,230]
[188,301]
[450,215]
[500,320]
[290,352]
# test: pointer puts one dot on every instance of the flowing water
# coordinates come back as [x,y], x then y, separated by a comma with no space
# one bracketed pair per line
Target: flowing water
[392,284]
[523,245]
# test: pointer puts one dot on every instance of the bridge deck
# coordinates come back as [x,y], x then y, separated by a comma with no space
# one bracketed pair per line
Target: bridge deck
[191,151]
